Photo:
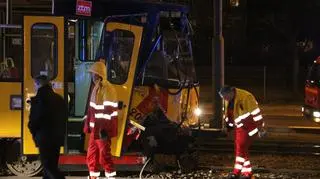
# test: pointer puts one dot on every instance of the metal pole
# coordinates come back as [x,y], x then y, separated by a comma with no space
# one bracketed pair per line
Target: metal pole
[217,65]
[264,83]
[52,7]
[8,12]
[8,21]
[3,19]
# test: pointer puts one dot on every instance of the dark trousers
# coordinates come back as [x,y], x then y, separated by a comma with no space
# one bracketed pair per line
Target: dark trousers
[49,156]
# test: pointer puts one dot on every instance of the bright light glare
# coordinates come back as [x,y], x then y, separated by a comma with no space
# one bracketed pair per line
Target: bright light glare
[317,119]
[73,20]
[197,111]
[316,114]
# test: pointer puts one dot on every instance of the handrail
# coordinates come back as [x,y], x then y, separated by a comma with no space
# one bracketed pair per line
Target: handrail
[10,26]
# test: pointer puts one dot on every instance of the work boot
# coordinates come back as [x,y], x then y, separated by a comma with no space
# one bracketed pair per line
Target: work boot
[232,176]
[245,176]
[110,174]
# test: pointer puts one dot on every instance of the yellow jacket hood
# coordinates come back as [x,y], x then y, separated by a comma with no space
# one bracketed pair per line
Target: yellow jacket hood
[99,68]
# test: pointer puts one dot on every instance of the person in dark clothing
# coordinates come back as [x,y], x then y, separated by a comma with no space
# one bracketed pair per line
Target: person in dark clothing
[47,124]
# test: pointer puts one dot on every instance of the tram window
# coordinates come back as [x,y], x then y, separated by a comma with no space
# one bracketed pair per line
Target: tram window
[174,61]
[11,55]
[120,51]
[44,50]
[179,52]
[89,39]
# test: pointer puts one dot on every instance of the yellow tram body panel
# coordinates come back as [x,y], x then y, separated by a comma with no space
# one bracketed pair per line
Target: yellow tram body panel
[10,119]
[174,105]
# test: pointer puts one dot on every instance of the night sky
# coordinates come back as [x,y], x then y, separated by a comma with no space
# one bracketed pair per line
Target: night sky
[268,32]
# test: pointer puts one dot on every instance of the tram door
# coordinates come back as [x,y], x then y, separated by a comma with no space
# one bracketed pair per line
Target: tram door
[43,55]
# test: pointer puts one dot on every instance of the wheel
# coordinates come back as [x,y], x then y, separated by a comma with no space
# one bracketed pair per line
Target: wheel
[21,165]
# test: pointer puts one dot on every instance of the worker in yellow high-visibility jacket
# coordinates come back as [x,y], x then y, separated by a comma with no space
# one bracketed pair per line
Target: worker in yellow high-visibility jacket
[243,114]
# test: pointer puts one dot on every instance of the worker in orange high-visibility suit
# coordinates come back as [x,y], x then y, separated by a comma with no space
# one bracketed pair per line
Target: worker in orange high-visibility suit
[243,114]
[101,123]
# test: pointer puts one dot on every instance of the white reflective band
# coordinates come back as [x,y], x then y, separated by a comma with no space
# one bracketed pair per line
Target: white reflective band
[257,118]
[238,166]
[94,174]
[246,163]
[256,111]
[239,125]
[112,174]
[230,124]
[109,103]
[240,159]
[95,106]
[137,125]
[85,117]
[101,115]
[226,119]
[115,113]
[244,169]
[253,132]
[241,117]
[91,124]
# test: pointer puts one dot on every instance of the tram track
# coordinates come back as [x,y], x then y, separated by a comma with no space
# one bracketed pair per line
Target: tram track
[261,169]
[265,147]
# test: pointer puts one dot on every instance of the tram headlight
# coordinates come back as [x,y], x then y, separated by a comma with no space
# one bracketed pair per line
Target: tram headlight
[316,114]
[197,111]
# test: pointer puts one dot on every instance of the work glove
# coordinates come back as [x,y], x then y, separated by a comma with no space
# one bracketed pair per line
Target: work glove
[86,126]
[262,133]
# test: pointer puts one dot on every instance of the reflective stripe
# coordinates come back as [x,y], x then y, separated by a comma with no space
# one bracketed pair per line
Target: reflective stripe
[94,174]
[241,117]
[239,125]
[238,166]
[115,113]
[246,163]
[85,117]
[244,169]
[95,106]
[240,159]
[105,103]
[257,118]
[230,124]
[226,119]
[253,132]
[109,103]
[91,124]
[101,115]
[106,116]
[112,174]
[256,111]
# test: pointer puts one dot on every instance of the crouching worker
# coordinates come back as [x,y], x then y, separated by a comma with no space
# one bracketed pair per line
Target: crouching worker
[101,123]
[242,114]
